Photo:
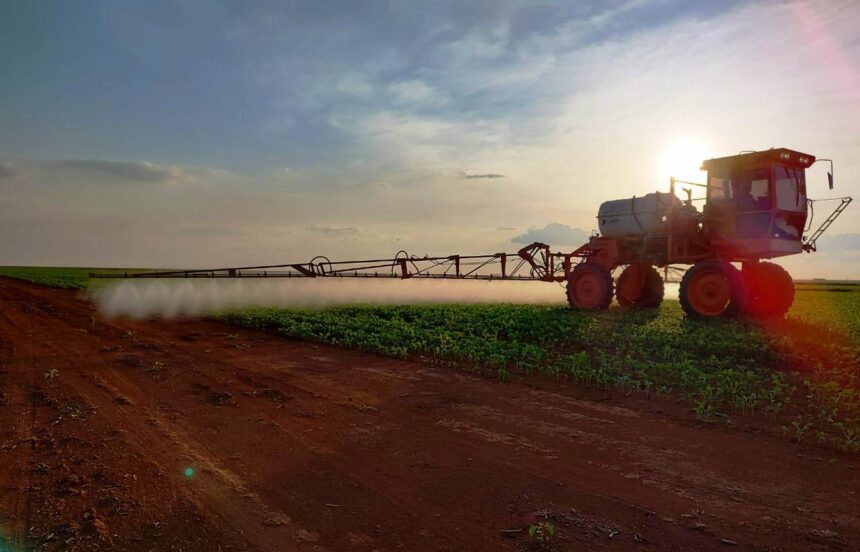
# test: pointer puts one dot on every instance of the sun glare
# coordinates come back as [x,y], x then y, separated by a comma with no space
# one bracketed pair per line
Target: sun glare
[682,159]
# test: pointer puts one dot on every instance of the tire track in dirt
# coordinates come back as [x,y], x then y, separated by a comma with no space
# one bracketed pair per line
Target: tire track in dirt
[325,456]
[713,494]
[128,397]
[529,424]
[225,493]
[22,397]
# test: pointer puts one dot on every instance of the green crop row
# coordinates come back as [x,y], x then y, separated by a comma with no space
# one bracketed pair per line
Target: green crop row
[60,277]
[802,370]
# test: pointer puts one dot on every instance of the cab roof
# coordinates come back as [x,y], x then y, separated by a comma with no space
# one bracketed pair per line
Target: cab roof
[755,159]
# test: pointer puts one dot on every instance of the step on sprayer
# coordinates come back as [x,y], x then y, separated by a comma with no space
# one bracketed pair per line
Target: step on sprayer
[754,208]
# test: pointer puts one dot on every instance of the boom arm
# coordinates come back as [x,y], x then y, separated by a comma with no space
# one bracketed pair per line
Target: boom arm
[532,262]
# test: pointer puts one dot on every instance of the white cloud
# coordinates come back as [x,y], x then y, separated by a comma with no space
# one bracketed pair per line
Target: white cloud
[482,44]
[142,171]
[840,242]
[415,141]
[332,231]
[415,92]
[354,84]
[554,234]
[7,170]
[491,176]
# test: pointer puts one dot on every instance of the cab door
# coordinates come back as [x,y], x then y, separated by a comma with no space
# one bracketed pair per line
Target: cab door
[791,203]
[754,198]
[719,209]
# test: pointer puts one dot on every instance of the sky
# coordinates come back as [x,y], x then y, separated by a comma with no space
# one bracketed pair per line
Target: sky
[194,134]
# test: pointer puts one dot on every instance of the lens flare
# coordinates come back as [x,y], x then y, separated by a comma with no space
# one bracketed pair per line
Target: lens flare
[682,159]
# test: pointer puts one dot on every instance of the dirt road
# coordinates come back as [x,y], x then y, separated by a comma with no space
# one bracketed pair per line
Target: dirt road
[194,435]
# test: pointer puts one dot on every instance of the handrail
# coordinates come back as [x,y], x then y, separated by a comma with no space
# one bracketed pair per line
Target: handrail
[810,244]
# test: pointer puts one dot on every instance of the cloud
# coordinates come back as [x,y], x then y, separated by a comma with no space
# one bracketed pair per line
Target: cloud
[553,233]
[487,175]
[131,170]
[332,231]
[204,230]
[413,140]
[355,85]
[840,242]
[7,170]
[415,91]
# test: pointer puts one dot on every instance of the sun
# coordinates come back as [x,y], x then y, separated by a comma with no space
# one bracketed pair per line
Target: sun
[682,159]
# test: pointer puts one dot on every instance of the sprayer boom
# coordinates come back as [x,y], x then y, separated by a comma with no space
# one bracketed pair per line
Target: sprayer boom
[533,262]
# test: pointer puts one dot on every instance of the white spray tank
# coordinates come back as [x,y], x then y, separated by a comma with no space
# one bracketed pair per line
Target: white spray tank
[635,216]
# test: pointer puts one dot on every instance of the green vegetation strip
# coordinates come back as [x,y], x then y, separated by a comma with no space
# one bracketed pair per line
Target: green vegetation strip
[802,371]
[60,277]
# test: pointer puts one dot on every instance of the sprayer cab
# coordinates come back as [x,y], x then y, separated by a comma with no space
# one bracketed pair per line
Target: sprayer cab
[756,204]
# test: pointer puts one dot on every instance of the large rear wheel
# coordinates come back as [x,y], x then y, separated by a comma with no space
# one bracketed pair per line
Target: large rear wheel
[712,288]
[589,287]
[771,289]
[639,286]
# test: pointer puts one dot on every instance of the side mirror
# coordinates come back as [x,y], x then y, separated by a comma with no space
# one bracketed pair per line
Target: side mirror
[830,180]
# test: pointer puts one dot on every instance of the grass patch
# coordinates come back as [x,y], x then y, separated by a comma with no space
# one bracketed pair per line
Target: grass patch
[60,277]
[802,370]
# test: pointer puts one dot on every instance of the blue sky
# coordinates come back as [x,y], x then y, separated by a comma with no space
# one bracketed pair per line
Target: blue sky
[254,86]
[166,133]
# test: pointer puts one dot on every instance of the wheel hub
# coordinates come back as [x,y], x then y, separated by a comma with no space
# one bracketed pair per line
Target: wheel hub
[587,290]
[710,293]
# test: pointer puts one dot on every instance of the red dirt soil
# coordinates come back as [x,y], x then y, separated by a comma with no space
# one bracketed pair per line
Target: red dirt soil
[296,446]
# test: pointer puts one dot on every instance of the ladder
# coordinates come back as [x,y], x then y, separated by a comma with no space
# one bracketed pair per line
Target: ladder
[809,243]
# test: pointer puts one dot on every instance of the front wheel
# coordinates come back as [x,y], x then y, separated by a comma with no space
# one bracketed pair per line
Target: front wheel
[712,288]
[589,287]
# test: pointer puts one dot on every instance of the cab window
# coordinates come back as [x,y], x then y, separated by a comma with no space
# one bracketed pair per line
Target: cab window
[719,188]
[790,186]
[752,188]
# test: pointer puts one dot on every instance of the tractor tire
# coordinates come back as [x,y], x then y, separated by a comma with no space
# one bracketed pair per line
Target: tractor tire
[639,287]
[771,290]
[589,287]
[712,288]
